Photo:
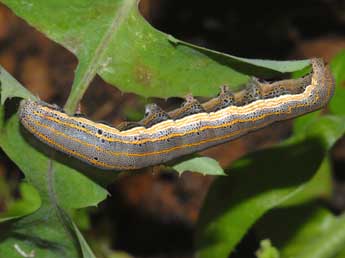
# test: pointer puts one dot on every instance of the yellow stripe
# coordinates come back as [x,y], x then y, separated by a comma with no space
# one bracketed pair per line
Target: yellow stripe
[284,100]
[59,146]
[156,129]
[105,165]
[169,149]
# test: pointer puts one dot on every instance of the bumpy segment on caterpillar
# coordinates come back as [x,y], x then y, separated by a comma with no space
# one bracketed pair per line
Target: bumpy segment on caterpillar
[162,136]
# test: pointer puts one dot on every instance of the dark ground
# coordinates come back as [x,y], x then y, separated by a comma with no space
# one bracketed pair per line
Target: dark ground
[154,214]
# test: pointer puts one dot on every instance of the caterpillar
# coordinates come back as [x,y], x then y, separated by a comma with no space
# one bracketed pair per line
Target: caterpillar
[162,136]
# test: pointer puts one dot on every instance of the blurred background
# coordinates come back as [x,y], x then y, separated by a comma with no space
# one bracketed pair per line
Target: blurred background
[153,213]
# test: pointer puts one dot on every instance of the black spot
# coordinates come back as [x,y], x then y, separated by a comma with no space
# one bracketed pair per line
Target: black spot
[99,131]
[102,140]
[95,158]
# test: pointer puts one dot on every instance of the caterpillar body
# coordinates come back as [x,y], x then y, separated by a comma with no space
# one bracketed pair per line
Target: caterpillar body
[162,136]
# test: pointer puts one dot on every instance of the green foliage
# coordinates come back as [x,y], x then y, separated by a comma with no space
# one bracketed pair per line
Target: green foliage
[46,229]
[260,182]
[309,232]
[10,88]
[110,38]
[203,165]
[30,201]
[267,250]
[338,67]
[293,173]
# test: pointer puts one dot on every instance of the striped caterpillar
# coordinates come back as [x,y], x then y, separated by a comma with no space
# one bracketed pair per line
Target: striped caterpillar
[162,136]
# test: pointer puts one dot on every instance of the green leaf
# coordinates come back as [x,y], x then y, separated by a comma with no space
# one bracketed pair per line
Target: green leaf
[61,189]
[66,180]
[203,165]
[48,231]
[338,67]
[302,122]
[318,186]
[267,250]
[30,201]
[10,87]
[341,254]
[82,218]
[2,115]
[112,39]
[260,182]
[252,66]
[86,250]
[307,231]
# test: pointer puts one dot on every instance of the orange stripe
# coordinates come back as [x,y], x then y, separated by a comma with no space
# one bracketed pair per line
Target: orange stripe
[147,140]
[105,165]
[169,149]
[243,110]
[92,161]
